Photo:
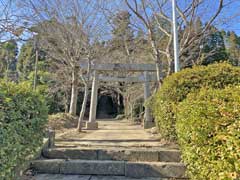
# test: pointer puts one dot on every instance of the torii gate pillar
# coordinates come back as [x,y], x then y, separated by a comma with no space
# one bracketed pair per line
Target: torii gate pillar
[148,121]
[92,124]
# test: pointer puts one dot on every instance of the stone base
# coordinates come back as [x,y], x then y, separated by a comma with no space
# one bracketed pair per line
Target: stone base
[91,125]
[83,124]
[148,124]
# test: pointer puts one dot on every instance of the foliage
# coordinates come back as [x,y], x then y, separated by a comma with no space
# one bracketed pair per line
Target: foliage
[208,129]
[176,87]
[23,115]
[122,32]
[44,83]
[54,100]
[233,44]
[62,121]
[8,53]
[27,58]
[121,46]
[26,63]
[213,48]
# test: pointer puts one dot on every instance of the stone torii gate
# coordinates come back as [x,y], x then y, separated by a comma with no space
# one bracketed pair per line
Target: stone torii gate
[146,78]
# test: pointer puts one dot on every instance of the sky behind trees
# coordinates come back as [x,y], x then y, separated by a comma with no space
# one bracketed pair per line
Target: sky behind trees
[228,20]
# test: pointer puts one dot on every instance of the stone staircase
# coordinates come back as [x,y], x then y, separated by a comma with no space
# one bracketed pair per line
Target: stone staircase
[118,150]
[132,162]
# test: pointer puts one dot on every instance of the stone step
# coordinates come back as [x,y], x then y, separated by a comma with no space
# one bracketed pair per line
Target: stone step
[140,154]
[113,168]
[102,144]
[155,169]
[86,177]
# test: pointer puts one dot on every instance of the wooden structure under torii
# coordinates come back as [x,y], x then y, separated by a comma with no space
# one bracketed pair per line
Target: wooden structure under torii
[145,78]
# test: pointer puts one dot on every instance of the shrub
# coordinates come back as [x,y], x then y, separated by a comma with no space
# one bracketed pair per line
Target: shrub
[208,129]
[45,82]
[176,87]
[61,121]
[23,115]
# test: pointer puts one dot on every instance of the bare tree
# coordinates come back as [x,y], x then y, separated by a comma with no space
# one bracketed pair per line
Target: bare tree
[146,20]
[11,25]
[5,17]
[66,43]
[159,11]
[68,32]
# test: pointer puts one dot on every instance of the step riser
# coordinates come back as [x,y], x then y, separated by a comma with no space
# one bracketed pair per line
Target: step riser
[124,155]
[86,168]
[138,170]
[117,168]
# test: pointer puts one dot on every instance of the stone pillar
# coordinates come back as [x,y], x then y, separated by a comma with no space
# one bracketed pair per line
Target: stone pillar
[92,124]
[148,121]
[51,136]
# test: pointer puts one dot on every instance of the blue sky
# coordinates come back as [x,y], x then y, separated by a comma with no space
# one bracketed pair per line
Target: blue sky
[232,11]
[228,20]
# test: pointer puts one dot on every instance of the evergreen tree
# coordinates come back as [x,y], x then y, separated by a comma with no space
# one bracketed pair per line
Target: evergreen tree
[8,54]
[122,32]
[27,58]
[233,49]
[213,48]
[142,50]
[198,26]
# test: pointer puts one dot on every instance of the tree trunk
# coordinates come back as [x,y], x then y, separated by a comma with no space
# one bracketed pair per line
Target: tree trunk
[35,71]
[159,70]
[83,109]
[169,69]
[157,59]
[131,106]
[127,106]
[74,94]
[66,110]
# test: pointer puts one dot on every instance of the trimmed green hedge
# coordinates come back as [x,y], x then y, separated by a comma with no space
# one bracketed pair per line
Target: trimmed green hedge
[208,129]
[176,87]
[23,115]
